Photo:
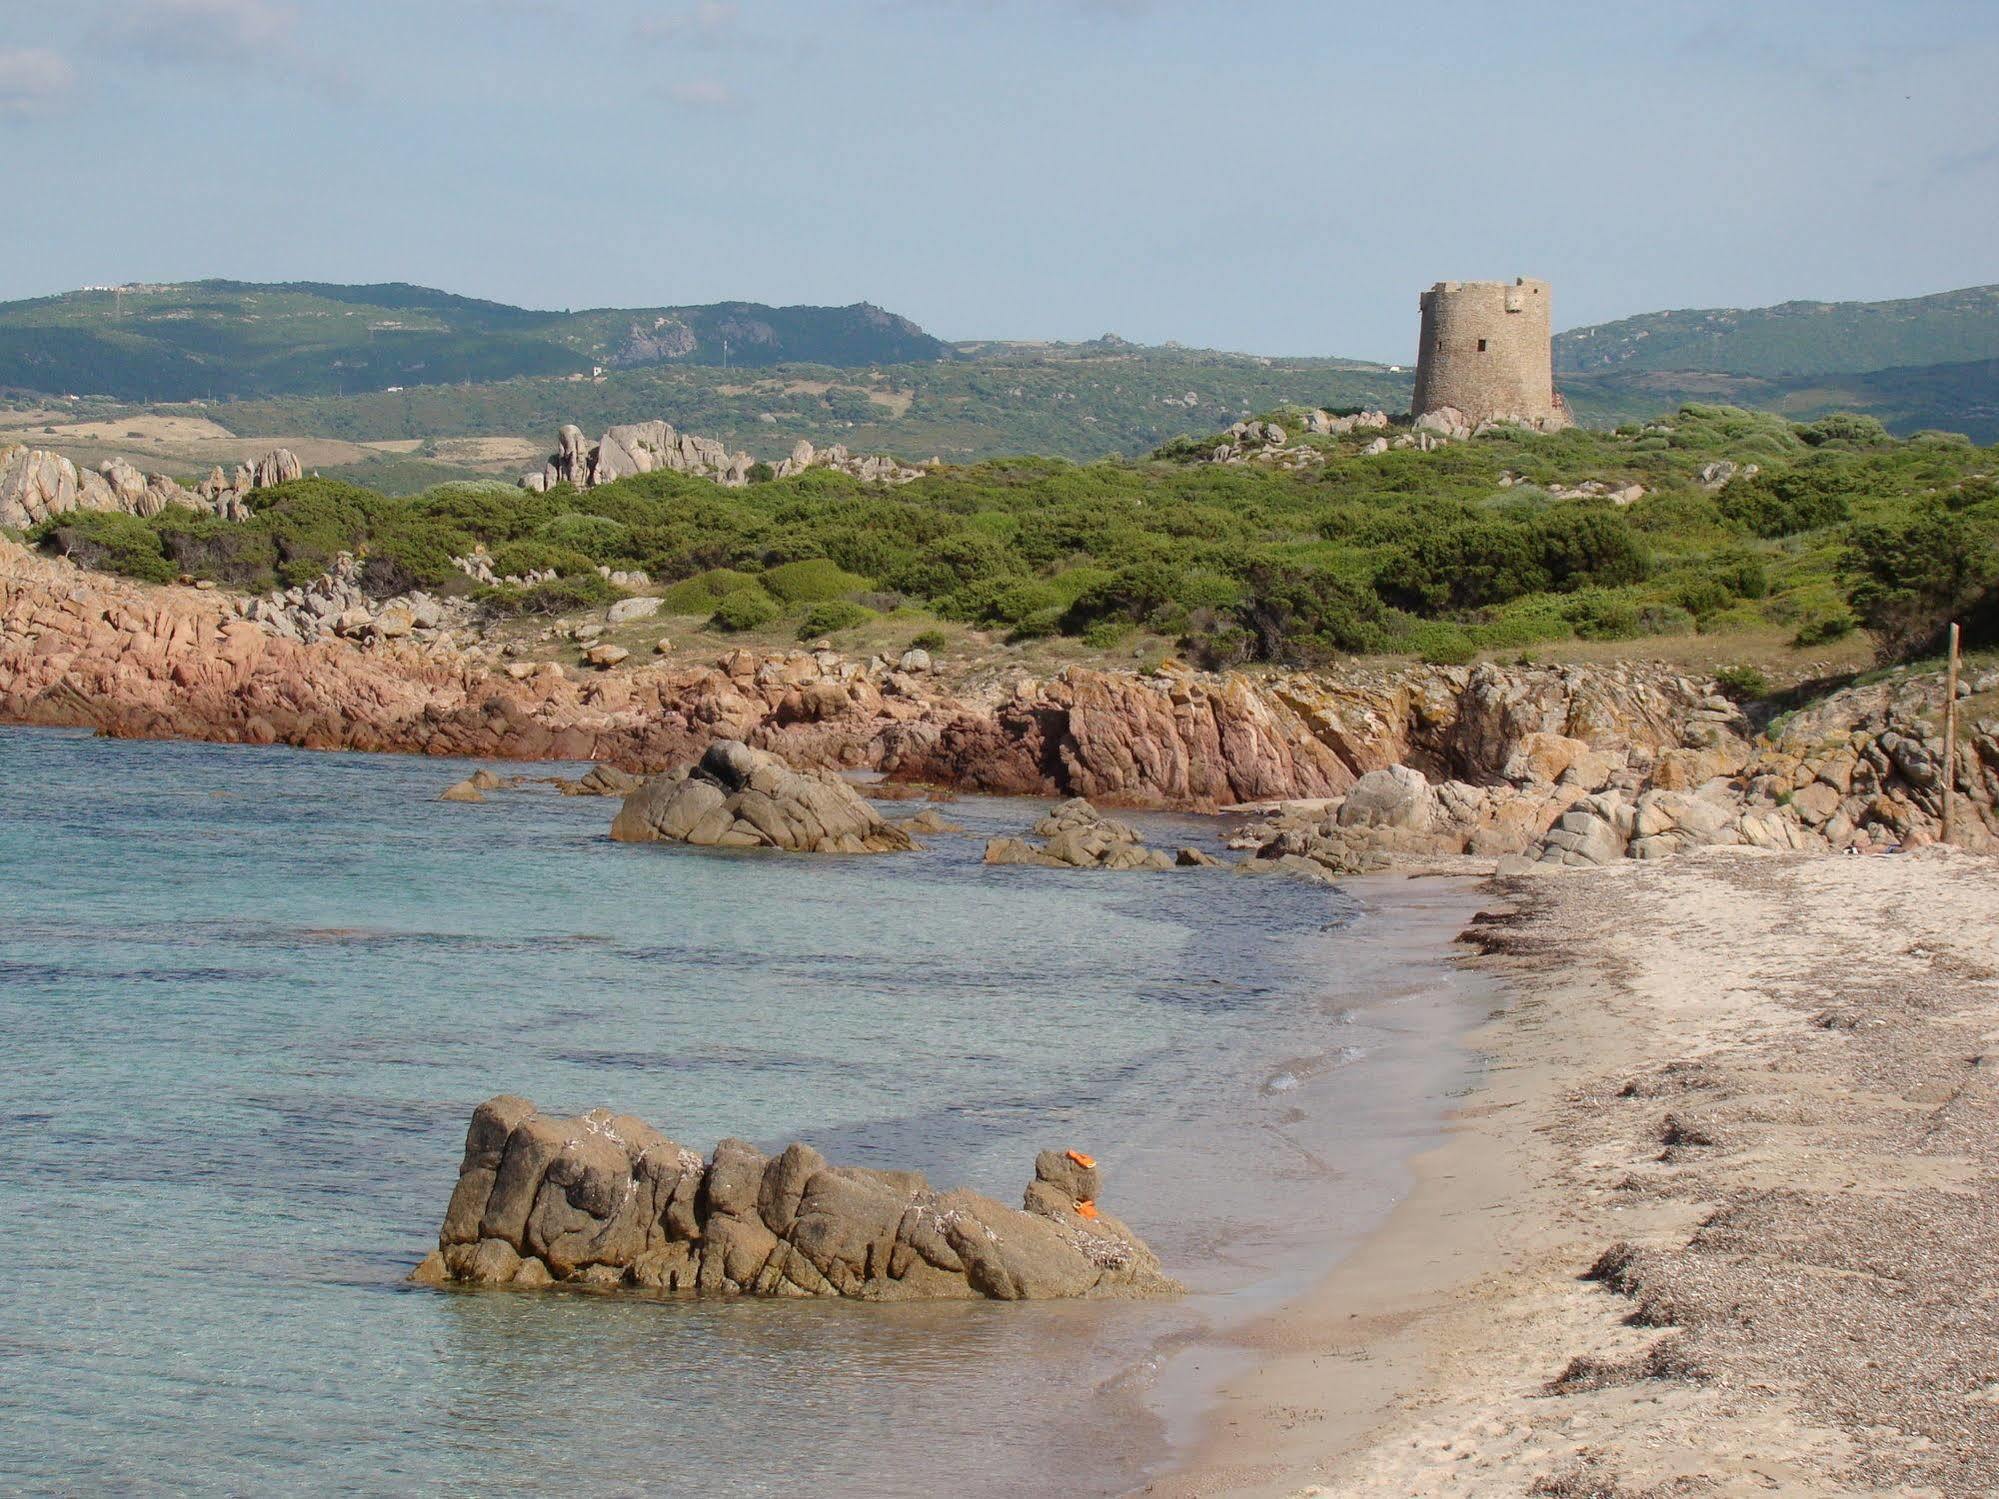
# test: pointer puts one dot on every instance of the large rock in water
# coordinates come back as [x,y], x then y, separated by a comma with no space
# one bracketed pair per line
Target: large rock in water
[606,1202]
[1078,836]
[739,797]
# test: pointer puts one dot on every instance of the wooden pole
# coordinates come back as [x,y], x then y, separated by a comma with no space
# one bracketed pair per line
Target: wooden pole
[1950,740]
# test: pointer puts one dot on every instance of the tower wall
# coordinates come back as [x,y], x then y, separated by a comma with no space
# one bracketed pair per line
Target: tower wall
[1487,350]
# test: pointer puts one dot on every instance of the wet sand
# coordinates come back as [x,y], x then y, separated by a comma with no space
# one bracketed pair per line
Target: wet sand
[1722,1219]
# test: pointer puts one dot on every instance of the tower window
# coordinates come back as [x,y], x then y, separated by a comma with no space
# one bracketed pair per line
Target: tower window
[1481,346]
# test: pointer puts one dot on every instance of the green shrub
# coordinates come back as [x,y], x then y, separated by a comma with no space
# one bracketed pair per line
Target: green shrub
[1441,643]
[932,641]
[413,551]
[1910,580]
[109,541]
[1602,616]
[1478,563]
[1700,597]
[206,546]
[1665,619]
[1823,629]
[1741,683]
[702,592]
[1844,426]
[814,580]
[1293,615]
[562,596]
[1745,577]
[519,558]
[1804,498]
[831,618]
[597,537]
[748,608]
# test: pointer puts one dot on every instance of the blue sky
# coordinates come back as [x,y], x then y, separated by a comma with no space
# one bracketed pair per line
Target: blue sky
[1278,178]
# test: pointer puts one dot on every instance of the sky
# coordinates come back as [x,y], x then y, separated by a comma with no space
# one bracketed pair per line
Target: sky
[1278,178]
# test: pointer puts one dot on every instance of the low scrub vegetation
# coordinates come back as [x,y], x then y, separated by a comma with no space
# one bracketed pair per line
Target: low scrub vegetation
[1474,547]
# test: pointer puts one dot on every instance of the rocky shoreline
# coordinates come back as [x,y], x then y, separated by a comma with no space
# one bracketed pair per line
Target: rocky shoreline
[1553,765]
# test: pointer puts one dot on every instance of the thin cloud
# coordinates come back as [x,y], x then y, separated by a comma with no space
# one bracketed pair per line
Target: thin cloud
[33,81]
[703,93]
[713,23]
[191,32]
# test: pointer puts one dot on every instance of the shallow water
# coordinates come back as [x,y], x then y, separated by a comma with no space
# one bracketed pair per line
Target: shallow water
[249,998]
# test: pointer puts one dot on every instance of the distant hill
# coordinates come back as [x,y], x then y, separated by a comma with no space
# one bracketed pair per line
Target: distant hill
[1794,339]
[219,340]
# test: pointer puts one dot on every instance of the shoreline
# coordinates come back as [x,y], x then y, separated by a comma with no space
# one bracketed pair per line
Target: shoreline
[1410,1002]
[1700,1166]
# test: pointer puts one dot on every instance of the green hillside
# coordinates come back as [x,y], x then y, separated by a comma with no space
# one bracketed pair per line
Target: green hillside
[1793,339]
[219,340]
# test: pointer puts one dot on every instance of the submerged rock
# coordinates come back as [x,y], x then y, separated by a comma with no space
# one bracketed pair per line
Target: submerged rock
[606,1202]
[738,797]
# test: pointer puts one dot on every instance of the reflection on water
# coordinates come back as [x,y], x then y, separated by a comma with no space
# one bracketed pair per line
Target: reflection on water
[244,1033]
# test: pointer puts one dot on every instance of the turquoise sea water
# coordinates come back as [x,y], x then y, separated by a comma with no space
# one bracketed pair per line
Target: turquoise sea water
[249,997]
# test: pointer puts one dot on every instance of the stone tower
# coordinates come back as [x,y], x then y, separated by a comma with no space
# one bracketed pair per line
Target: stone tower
[1487,353]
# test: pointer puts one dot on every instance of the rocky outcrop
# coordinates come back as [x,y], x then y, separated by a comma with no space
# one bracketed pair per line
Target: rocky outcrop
[1268,444]
[36,485]
[738,797]
[1506,753]
[605,1202]
[1077,836]
[1450,423]
[1858,772]
[336,604]
[644,447]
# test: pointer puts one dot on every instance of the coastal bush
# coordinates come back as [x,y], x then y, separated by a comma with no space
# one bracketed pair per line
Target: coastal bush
[561,596]
[1441,643]
[1741,684]
[748,608]
[597,537]
[832,617]
[813,580]
[1235,562]
[1823,629]
[519,558]
[206,546]
[414,551]
[1845,427]
[702,592]
[1482,562]
[932,641]
[1805,498]
[109,541]
[1910,580]
[1597,615]
[1300,617]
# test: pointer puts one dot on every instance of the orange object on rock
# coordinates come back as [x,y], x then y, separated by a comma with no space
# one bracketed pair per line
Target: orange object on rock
[1085,1161]
[1087,1208]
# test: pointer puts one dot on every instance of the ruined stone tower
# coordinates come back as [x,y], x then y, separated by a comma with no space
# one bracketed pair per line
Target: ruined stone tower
[1486,352]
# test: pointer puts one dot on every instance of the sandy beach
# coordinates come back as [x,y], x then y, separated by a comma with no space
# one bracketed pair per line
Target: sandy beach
[1719,1220]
